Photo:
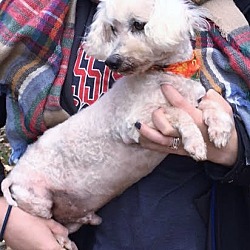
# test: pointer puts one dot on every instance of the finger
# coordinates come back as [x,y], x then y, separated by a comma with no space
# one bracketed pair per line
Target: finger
[212,95]
[154,135]
[174,97]
[57,228]
[155,140]
[178,101]
[167,149]
[52,244]
[161,123]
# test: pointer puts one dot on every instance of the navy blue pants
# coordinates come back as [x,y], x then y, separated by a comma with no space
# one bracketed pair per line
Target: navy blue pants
[159,212]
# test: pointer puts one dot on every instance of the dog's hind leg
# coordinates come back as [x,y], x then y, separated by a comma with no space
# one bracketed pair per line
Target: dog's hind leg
[5,186]
[90,218]
[34,200]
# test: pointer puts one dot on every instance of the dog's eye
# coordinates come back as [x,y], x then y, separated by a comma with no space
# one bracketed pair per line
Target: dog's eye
[137,26]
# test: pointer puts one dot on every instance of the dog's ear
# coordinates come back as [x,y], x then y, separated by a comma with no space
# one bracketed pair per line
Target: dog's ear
[97,42]
[174,21]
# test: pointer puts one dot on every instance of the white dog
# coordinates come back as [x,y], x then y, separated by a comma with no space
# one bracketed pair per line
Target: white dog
[77,167]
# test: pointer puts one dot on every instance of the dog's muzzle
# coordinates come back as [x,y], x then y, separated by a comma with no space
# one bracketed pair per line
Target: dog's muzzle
[114,62]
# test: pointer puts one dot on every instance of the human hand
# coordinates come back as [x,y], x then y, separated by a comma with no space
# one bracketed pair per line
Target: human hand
[161,138]
[27,232]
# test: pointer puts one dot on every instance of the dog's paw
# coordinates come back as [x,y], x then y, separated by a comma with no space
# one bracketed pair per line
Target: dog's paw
[219,136]
[90,218]
[65,242]
[220,123]
[191,135]
[219,127]
[197,149]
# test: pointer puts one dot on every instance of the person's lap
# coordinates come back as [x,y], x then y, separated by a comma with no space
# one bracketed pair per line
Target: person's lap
[157,212]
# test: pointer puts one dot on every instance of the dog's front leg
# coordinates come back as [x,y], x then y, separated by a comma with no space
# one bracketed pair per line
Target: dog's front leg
[191,135]
[220,123]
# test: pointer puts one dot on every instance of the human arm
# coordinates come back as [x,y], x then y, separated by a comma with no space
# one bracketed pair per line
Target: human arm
[161,139]
[27,232]
[24,231]
[232,157]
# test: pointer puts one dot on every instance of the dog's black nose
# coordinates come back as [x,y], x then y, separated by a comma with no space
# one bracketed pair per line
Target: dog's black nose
[114,62]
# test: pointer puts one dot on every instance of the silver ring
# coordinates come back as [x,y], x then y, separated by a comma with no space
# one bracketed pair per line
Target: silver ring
[176,143]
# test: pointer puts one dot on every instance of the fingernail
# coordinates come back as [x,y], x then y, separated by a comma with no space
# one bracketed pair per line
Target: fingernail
[199,100]
[138,125]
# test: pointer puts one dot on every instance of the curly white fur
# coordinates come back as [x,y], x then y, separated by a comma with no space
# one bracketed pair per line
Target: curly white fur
[78,166]
[168,23]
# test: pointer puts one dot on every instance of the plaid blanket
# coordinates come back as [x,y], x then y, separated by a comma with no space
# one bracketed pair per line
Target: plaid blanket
[226,66]
[35,43]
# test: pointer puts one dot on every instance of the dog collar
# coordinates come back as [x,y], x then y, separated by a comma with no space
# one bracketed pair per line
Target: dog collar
[188,69]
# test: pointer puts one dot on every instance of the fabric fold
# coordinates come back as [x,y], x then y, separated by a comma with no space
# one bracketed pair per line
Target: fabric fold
[35,43]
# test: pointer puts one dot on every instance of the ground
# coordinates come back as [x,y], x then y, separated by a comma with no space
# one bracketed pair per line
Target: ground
[4,149]
[4,155]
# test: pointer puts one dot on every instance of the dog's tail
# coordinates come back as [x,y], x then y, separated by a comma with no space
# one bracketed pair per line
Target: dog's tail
[5,186]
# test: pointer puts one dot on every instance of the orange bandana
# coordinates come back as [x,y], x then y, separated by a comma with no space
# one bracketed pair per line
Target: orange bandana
[188,69]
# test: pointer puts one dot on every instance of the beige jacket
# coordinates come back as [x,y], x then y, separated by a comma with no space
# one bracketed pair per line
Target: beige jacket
[225,15]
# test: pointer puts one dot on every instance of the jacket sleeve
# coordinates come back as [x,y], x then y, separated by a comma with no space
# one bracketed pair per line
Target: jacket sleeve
[239,174]
[2,110]
[2,176]
[2,123]
[244,6]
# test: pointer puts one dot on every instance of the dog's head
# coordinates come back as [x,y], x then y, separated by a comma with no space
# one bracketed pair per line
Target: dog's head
[132,36]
